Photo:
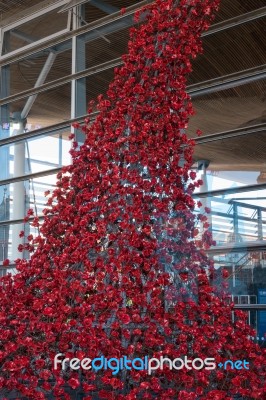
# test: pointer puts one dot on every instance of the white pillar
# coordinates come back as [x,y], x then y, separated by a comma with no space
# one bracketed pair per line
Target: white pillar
[18,191]
[78,86]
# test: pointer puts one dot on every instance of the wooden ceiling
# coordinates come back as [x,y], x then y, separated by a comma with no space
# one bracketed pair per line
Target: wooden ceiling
[226,52]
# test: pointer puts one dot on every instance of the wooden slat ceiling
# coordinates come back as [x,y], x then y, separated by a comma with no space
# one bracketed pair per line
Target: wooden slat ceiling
[230,51]
[9,7]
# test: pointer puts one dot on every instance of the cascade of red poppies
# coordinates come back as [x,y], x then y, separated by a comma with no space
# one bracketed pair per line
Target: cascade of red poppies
[118,269]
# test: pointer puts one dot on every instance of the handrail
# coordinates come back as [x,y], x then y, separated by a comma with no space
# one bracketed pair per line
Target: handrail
[250,307]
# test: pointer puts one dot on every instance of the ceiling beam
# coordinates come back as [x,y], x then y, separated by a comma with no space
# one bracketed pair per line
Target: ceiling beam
[23,36]
[61,127]
[71,4]
[109,9]
[62,81]
[48,42]
[100,4]
[100,25]
[30,13]
[214,137]
[227,81]
[199,89]
[236,21]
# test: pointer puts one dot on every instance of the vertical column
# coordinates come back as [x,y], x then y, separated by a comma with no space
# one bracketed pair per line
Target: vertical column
[206,201]
[18,187]
[5,77]
[78,87]
[4,150]
[260,227]
[4,112]
[235,223]
[236,238]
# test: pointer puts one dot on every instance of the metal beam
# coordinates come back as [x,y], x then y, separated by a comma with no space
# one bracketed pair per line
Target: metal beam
[71,4]
[239,20]
[16,221]
[5,91]
[222,192]
[104,6]
[231,216]
[227,81]
[46,42]
[250,307]
[5,80]
[31,13]
[51,130]
[26,177]
[62,81]
[43,75]
[96,3]
[78,86]
[238,247]
[242,204]
[23,36]
[214,137]
[58,38]
[195,90]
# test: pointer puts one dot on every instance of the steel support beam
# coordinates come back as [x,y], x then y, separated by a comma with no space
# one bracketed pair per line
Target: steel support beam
[98,26]
[214,137]
[250,307]
[96,3]
[238,247]
[236,21]
[5,91]
[27,177]
[51,130]
[230,216]
[78,85]
[222,192]
[43,75]
[62,81]
[33,12]
[4,79]
[72,4]
[251,206]
[206,202]
[47,42]
[195,90]
[17,221]
[4,119]
[60,127]
[23,36]
[109,9]
[227,81]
